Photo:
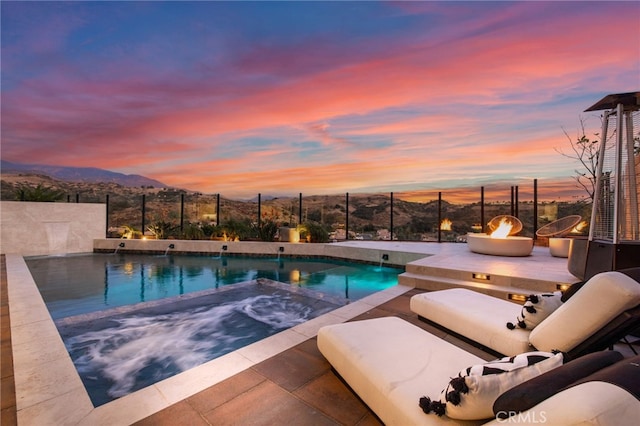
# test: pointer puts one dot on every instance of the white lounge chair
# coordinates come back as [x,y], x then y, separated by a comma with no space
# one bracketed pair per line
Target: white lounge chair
[603,310]
[391,364]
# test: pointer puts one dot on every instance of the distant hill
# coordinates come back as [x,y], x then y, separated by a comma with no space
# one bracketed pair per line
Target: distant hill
[81,174]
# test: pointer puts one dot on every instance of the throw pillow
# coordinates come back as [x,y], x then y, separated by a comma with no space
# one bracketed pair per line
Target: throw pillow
[471,395]
[536,308]
[532,392]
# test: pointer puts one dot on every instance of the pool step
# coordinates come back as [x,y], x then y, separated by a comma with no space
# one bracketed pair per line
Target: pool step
[503,287]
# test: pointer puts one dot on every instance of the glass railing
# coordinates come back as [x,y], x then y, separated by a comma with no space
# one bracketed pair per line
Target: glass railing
[420,215]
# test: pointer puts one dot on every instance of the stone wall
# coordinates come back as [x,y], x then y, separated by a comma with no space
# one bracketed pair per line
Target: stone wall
[33,229]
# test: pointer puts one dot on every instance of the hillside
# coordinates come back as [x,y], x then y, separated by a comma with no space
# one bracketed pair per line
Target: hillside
[369,214]
[79,174]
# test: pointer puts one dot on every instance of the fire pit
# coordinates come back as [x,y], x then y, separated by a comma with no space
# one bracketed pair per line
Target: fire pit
[501,242]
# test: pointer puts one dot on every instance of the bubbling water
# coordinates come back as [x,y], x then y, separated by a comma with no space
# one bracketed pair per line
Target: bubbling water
[142,349]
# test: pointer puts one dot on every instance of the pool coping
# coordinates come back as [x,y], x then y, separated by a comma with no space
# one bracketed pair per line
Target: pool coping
[49,389]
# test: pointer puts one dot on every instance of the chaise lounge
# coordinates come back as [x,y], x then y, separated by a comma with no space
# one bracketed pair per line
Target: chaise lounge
[591,316]
[392,365]
[400,370]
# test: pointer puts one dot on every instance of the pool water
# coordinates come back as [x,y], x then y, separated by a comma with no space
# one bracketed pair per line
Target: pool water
[129,321]
[73,285]
[120,353]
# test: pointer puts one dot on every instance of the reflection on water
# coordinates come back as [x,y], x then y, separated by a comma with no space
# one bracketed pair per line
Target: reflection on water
[75,285]
[122,354]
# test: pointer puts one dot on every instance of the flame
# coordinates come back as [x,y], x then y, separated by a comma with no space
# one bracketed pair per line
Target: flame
[503,229]
[445,225]
[579,227]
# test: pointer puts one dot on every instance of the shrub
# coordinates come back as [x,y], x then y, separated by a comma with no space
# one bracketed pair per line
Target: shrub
[266,231]
[192,232]
[314,232]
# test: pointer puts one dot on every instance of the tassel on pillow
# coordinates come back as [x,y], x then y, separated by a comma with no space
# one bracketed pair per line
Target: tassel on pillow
[536,308]
[436,407]
[471,394]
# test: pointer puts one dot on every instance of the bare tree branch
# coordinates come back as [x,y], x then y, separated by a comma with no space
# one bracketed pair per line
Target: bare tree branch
[586,152]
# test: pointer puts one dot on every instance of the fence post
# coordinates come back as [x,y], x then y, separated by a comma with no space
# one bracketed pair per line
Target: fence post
[144,211]
[300,209]
[218,209]
[182,212]
[106,226]
[347,217]
[535,209]
[482,209]
[512,210]
[439,216]
[391,218]
[259,210]
[516,214]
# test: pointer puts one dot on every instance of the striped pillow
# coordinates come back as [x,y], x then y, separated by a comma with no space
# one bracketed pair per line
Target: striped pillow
[470,395]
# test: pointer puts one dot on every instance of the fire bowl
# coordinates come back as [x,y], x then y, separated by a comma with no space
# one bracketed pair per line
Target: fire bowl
[510,246]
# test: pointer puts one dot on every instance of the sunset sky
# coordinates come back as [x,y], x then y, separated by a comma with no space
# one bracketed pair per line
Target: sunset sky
[278,98]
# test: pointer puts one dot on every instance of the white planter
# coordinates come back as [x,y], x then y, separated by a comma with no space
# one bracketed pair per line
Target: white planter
[289,235]
[559,247]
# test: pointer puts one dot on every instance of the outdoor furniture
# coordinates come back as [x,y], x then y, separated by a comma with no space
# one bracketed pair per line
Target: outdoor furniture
[392,365]
[560,227]
[602,311]
[556,232]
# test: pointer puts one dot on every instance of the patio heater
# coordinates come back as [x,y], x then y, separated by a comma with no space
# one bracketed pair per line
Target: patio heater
[614,234]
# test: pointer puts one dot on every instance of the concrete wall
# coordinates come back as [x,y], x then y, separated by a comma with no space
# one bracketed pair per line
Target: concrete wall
[33,229]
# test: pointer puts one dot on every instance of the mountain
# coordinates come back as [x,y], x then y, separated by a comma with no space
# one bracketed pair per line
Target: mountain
[81,174]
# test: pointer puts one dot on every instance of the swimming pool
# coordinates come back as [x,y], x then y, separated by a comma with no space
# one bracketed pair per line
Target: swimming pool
[129,321]
[80,284]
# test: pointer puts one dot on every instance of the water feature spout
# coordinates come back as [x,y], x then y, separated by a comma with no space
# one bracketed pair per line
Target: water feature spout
[222,250]
[280,250]
[118,248]
[171,246]
[383,258]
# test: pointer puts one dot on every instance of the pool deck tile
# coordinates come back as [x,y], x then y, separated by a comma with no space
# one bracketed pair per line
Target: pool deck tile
[292,369]
[225,391]
[8,414]
[267,404]
[187,383]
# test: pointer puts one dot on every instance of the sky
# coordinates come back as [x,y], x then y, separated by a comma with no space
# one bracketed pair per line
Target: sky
[281,98]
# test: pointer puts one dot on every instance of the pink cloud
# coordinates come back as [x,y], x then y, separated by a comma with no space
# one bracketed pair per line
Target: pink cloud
[467,98]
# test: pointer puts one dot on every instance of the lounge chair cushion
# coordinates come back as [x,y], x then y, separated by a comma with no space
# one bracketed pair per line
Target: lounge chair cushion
[391,363]
[477,316]
[536,308]
[600,300]
[526,395]
[607,397]
[471,394]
